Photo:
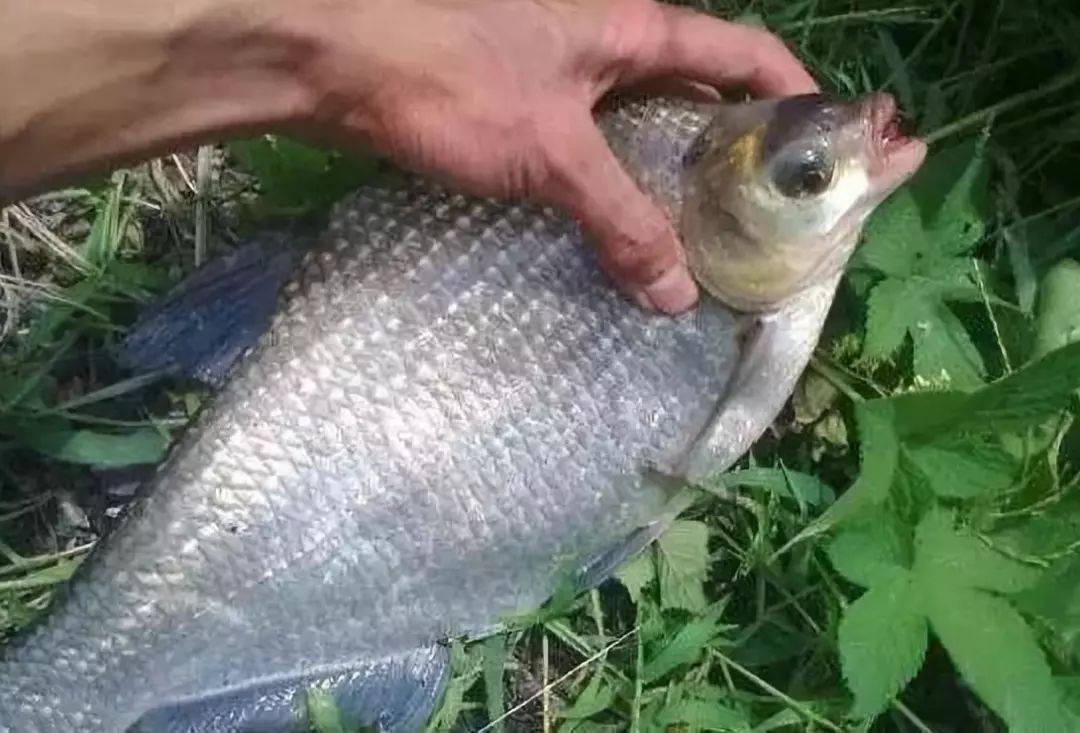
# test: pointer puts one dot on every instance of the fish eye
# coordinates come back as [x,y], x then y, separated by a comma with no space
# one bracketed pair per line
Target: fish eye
[807,172]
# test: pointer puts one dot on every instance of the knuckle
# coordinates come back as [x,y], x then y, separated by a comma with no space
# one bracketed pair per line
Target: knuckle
[640,252]
[628,29]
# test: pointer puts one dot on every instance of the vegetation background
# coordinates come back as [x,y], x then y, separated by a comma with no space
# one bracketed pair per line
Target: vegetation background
[899,553]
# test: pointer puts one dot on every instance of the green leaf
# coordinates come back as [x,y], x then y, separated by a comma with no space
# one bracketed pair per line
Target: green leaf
[888,318]
[953,190]
[637,574]
[682,562]
[880,449]
[784,483]
[882,638]
[1051,532]
[956,557]
[920,415]
[871,551]
[940,213]
[55,438]
[494,649]
[894,236]
[914,240]
[687,646]
[595,698]
[701,715]
[465,668]
[1021,400]
[1070,695]
[324,716]
[786,719]
[106,231]
[52,575]
[963,469]
[1024,398]
[1055,601]
[1058,318]
[769,644]
[298,178]
[997,654]
[943,349]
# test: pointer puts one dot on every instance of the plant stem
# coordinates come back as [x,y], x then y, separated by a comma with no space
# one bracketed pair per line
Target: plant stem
[791,702]
[1019,100]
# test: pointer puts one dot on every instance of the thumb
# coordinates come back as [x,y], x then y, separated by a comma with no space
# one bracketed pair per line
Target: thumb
[637,245]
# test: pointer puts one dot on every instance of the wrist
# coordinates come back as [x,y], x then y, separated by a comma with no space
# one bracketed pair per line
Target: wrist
[117,82]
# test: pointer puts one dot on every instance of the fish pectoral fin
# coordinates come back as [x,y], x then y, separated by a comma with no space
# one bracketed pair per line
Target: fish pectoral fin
[777,349]
[397,695]
[210,318]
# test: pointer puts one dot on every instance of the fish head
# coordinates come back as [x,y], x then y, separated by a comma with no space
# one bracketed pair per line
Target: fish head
[775,192]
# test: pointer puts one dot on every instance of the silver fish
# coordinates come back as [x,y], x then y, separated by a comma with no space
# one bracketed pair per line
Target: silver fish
[449,409]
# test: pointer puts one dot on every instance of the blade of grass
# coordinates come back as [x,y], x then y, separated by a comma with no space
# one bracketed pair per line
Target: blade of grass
[978,118]
[554,683]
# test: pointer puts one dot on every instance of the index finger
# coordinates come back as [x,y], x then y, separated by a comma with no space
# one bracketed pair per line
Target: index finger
[712,51]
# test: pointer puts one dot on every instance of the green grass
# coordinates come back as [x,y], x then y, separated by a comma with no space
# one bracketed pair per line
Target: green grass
[898,554]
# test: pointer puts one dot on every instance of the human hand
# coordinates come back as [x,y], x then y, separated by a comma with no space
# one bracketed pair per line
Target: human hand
[496,96]
[492,95]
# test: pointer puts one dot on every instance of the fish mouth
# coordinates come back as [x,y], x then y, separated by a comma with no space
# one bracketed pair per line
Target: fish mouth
[896,155]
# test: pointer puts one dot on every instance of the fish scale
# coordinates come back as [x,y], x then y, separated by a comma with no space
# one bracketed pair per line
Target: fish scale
[449,409]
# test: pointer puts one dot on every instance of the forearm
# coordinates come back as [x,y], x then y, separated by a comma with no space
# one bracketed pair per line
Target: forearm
[91,84]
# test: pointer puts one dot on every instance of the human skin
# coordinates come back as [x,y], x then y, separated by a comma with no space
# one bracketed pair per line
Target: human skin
[493,96]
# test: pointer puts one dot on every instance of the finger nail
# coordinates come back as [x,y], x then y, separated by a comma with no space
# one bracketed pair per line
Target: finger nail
[642,300]
[673,292]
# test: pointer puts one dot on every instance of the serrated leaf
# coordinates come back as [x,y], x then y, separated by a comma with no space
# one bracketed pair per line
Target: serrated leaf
[687,646]
[870,551]
[997,654]
[888,317]
[637,574]
[894,236]
[951,279]
[882,639]
[701,715]
[940,213]
[682,562]
[963,469]
[956,557]
[954,191]
[944,350]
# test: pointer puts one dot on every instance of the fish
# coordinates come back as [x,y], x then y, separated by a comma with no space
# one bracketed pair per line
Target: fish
[436,412]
